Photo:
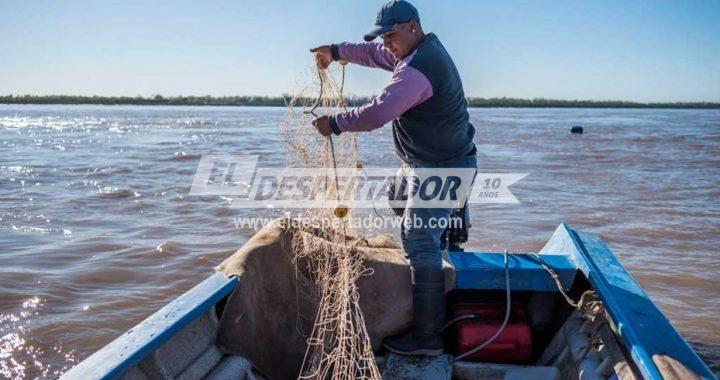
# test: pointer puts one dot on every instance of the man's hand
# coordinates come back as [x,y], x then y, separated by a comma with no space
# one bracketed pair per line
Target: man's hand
[322,124]
[323,56]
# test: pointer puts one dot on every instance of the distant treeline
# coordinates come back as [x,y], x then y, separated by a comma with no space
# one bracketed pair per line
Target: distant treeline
[281,101]
[547,103]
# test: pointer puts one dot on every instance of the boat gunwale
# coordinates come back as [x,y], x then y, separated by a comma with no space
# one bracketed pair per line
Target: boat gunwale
[133,346]
[597,262]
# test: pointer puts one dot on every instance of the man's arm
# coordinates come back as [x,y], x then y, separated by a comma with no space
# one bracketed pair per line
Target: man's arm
[370,54]
[408,88]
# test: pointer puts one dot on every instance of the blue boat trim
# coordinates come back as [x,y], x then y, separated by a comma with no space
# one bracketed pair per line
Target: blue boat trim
[486,271]
[641,326]
[132,347]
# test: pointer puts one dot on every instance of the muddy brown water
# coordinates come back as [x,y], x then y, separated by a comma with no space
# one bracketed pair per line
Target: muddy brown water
[97,230]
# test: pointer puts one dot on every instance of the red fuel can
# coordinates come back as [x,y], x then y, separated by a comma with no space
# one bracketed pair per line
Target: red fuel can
[512,346]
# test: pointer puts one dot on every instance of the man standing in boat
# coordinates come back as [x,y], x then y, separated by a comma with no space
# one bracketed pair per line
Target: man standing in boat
[426,103]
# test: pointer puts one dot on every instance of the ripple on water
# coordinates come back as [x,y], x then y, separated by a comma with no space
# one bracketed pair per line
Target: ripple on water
[183,156]
[107,171]
[20,356]
[170,248]
[41,230]
[111,192]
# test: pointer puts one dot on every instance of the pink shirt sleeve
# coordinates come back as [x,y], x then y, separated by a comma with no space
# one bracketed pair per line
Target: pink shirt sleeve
[408,88]
[370,54]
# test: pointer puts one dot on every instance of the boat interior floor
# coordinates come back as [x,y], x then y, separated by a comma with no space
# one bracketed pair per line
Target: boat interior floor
[566,344]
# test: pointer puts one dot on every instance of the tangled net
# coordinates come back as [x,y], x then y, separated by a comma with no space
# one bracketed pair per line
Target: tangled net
[338,346]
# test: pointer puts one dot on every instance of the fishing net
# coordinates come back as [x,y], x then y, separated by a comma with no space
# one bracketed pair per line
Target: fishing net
[338,346]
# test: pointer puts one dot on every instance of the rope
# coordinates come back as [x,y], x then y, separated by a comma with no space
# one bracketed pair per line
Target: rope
[320,94]
[556,278]
[343,104]
[589,305]
[340,211]
[338,346]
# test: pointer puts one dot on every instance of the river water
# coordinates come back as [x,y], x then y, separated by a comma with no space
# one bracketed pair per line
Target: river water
[97,229]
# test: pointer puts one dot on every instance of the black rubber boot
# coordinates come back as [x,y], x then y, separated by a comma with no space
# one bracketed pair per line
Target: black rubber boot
[428,317]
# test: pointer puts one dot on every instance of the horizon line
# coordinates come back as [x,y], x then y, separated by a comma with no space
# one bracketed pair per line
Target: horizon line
[357,98]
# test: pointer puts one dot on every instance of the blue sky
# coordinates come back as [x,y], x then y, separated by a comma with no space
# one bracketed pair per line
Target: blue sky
[653,50]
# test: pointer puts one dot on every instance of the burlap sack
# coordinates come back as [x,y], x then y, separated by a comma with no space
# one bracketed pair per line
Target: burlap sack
[267,320]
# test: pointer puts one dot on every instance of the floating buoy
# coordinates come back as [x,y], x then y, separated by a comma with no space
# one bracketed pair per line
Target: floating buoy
[340,211]
[576,129]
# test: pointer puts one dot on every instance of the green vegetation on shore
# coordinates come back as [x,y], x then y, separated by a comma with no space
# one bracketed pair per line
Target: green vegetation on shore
[352,101]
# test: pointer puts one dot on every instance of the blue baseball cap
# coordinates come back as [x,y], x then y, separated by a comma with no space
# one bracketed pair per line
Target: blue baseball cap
[392,13]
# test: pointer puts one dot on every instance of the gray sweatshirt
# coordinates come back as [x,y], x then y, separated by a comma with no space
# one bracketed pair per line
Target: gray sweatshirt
[425,102]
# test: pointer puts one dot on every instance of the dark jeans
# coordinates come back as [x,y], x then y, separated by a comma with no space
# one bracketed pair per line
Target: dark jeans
[422,242]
